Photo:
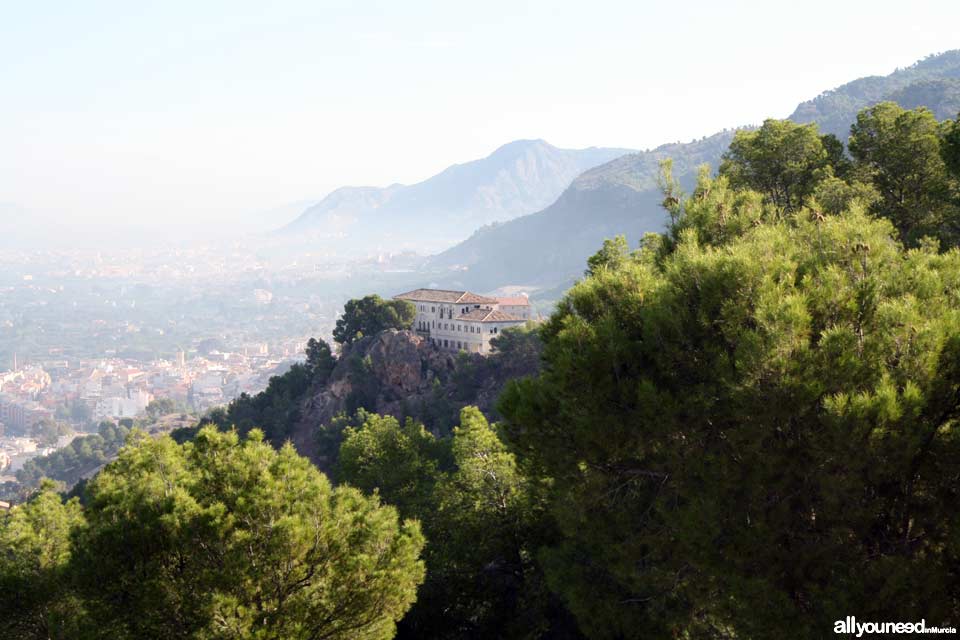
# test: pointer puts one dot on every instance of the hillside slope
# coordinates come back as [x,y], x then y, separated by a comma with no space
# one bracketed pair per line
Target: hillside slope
[518,178]
[541,249]
[549,248]
[929,82]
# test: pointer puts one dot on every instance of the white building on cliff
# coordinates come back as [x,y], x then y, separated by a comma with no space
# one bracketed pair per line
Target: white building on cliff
[464,321]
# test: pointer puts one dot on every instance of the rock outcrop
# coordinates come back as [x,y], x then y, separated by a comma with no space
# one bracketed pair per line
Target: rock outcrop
[401,374]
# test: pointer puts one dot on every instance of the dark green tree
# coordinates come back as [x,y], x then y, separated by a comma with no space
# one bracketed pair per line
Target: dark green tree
[951,147]
[899,151]
[35,552]
[782,160]
[613,254]
[234,539]
[402,463]
[320,361]
[81,457]
[371,314]
[274,410]
[753,432]
[483,521]
[837,157]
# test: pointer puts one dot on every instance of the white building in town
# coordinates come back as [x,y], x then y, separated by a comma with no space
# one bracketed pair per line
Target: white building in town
[128,405]
[463,321]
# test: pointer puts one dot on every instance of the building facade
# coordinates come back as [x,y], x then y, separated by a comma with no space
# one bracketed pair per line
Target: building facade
[461,320]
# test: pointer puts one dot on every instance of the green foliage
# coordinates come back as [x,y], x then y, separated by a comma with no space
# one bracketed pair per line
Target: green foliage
[941,96]
[370,315]
[487,522]
[482,518]
[34,554]
[229,539]
[782,160]
[613,254]
[837,158]
[320,361]
[749,430]
[834,195]
[274,410]
[401,462]
[365,385]
[76,411]
[515,353]
[951,147]
[900,152]
[82,456]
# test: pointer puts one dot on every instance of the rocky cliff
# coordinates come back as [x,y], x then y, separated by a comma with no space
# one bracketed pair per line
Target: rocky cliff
[401,374]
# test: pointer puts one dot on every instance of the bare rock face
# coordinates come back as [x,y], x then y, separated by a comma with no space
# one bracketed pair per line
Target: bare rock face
[398,359]
[399,373]
[387,373]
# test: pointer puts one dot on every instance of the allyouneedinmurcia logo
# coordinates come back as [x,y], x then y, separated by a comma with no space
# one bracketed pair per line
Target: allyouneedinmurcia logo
[849,625]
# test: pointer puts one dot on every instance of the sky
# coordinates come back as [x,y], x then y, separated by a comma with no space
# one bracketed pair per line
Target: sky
[189,116]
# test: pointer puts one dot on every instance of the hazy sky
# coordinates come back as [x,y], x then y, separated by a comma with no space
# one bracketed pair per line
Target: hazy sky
[191,113]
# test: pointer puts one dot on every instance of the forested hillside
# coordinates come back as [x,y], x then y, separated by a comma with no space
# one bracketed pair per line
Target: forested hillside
[931,82]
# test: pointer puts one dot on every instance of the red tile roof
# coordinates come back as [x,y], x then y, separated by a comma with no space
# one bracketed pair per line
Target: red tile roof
[516,301]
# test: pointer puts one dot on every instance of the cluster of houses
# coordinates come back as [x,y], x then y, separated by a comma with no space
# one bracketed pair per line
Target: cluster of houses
[464,321]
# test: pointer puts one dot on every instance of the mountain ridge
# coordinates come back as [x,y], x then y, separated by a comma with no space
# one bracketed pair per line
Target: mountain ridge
[519,177]
[549,248]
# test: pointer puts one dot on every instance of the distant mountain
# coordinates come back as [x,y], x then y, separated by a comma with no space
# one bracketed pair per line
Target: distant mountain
[548,249]
[518,178]
[551,246]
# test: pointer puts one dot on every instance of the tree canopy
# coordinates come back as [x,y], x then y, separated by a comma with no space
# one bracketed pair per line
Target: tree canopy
[216,538]
[370,315]
[35,550]
[320,360]
[481,516]
[82,456]
[756,417]
[783,160]
[900,152]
